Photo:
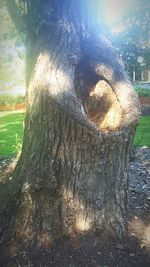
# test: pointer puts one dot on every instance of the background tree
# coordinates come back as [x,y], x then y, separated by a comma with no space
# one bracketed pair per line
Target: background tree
[12,53]
[80,121]
[133,36]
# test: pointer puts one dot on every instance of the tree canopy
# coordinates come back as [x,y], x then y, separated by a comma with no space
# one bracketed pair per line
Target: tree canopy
[132,35]
[12,53]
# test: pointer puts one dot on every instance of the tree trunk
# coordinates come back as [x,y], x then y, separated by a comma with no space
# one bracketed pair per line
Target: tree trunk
[72,173]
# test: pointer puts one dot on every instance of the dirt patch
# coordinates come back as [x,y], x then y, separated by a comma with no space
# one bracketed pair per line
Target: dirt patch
[145,105]
[144,100]
[92,249]
[13,107]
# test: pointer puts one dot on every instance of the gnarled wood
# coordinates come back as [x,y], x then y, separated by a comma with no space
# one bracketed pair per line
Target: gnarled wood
[72,173]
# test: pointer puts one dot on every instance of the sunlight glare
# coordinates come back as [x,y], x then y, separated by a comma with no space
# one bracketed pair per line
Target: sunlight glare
[114,9]
[82,224]
[141,231]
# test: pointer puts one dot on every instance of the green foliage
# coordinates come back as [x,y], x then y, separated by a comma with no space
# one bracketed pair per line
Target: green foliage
[146,55]
[9,75]
[136,21]
[142,92]
[6,100]
[133,40]
[142,137]
[12,53]
[7,29]
[11,132]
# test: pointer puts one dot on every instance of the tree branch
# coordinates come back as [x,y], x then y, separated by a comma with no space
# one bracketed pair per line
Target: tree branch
[16,15]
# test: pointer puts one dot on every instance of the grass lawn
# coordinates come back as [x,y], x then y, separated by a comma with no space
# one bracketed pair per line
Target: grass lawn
[11,132]
[142,137]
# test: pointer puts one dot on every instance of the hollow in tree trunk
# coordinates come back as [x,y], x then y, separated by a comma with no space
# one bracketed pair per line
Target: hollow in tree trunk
[80,121]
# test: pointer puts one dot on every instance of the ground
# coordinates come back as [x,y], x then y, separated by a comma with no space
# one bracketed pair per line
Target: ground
[145,105]
[91,249]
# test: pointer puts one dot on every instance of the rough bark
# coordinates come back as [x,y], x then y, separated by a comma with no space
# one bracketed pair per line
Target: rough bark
[72,173]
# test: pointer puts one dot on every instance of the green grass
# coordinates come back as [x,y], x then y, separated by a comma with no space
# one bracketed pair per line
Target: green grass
[142,136]
[11,132]
[142,92]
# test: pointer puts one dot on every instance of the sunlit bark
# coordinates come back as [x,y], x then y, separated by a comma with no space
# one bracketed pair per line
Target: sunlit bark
[72,173]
